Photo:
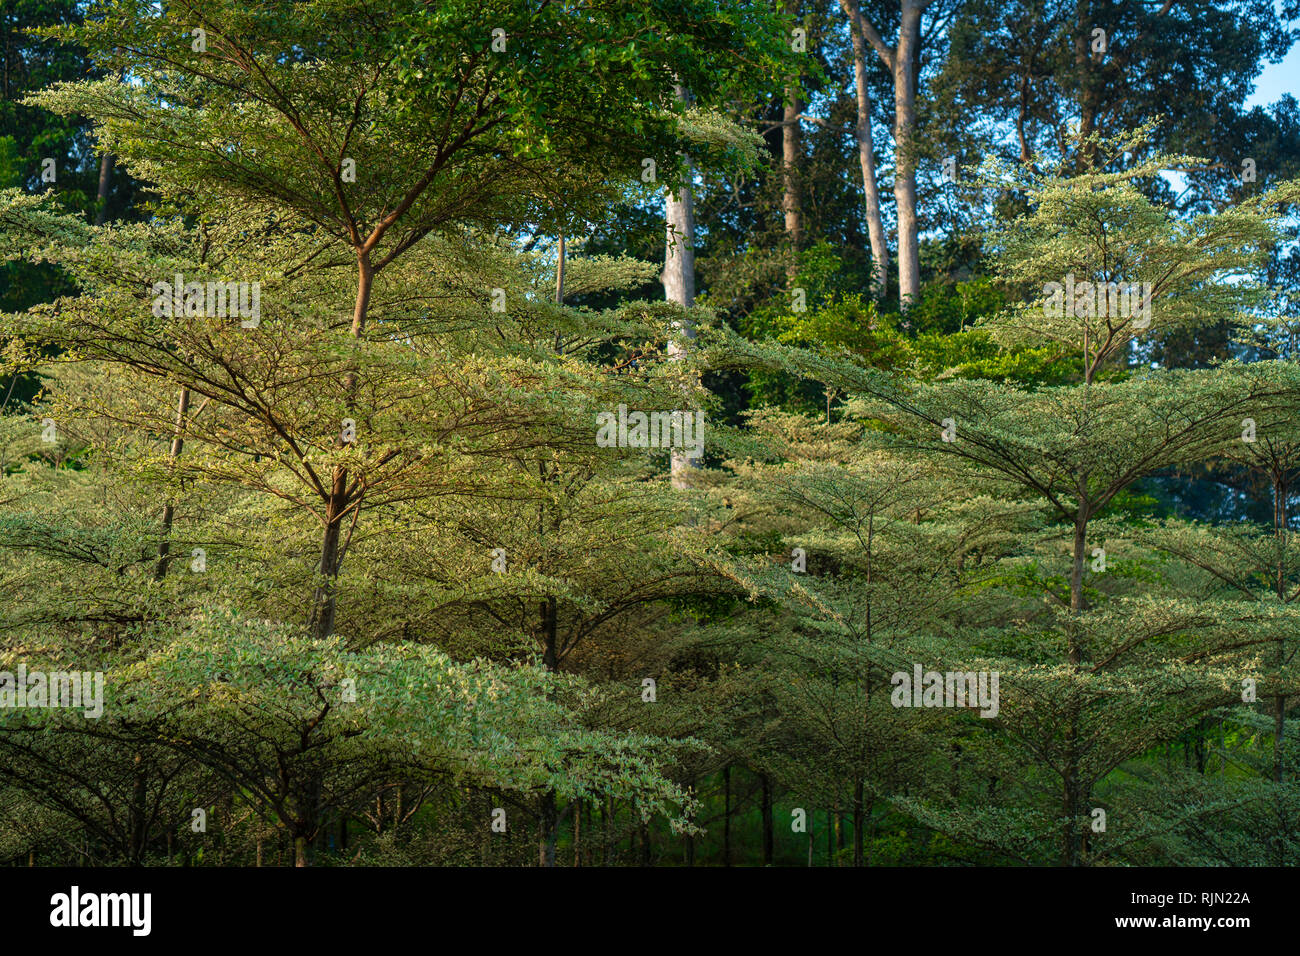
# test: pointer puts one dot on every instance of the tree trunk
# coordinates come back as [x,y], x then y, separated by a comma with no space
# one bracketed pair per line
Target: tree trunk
[679,284]
[645,843]
[1086,78]
[560,263]
[178,443]
[904,70]
[550,826]
[105,184]
[1071,799]
[791,158]
[1072,835]
[1281,495]
[139,810]
[550,635]
[323,604]
[1076,573]
[365,285]
[867,153]
[550,818]
[325,597]
[577,834]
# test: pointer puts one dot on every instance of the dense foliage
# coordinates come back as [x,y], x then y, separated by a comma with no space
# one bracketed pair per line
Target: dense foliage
[307,454]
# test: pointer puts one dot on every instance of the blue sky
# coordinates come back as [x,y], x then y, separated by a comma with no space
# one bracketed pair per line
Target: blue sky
[1278,79]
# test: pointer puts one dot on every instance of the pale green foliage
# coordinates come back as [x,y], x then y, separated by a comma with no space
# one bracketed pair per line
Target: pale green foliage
[1101,227]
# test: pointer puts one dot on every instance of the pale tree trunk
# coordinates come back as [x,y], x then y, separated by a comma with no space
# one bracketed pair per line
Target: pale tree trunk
[679,286]
[791,153]
[901,61]
[867,154]
[791,158]
[909,263]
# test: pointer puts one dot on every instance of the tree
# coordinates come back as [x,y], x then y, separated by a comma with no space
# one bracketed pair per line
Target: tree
[385,149]
[902,61]
[1075,448]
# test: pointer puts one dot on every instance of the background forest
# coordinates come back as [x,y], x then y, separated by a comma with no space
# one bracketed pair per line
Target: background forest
[365,586]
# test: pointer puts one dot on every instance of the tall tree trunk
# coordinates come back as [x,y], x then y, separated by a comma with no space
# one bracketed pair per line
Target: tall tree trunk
[791,160]
[679,284]
[867,153]
[904,71]
[1086,78]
